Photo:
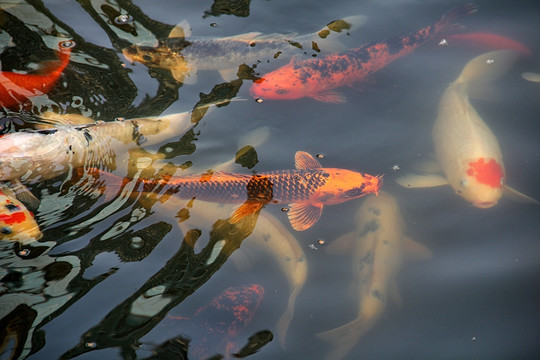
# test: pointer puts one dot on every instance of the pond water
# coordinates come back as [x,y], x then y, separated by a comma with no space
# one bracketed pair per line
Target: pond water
[115,274]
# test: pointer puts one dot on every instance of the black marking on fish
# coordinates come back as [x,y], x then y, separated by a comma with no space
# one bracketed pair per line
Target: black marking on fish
[374,211]
[135,134]
[371,226]
[87,136]
[46,131]
[377,295]
[368,258]
[12,207]
[6,230]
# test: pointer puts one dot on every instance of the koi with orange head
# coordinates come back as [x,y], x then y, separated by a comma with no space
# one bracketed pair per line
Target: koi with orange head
[16,88]
[306,189]
[17,223]
[317,77]
[466,148]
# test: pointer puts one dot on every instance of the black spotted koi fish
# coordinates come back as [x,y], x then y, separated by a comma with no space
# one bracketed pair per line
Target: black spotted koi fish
[318,76]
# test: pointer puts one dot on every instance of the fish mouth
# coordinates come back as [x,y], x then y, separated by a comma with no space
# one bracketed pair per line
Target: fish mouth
[485,204]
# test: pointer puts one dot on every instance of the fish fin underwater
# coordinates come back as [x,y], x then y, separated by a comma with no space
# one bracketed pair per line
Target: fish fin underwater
[531,76]
[302,216]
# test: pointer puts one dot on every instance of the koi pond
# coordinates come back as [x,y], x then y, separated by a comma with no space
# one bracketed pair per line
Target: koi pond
[269,179]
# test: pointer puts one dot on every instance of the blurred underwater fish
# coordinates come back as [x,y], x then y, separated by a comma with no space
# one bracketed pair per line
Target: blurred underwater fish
[466,148]
[530,76]
[487,41]
[307,189]
[317,77]
[269,237]
[16,88]
[378,247]
[214,328]
[184,55]
[16,222]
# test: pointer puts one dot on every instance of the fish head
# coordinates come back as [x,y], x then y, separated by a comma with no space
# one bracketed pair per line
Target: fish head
[343,185]
[17,223]
[285,83]
[160,56]
[481,183]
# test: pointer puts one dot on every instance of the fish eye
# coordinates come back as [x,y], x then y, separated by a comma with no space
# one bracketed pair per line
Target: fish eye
[5,230]
[353,192]
[12,207]
[147,57]
[459,192]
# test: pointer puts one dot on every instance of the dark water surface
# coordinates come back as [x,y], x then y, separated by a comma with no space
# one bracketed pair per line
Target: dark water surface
[111,277]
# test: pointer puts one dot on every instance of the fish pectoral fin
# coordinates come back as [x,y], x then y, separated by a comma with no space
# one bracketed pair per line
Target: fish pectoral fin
[414,250]
[428,167]
[304,215]
[421,181]
[342,245]
[181,30]
[184,74]
[24,195]
[530,76]
[247,208]
[333,97]
[515,195]
[229,74]
[304,160]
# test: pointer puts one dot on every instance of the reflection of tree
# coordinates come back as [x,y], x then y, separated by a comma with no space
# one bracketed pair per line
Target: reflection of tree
[182,275]
[229,7]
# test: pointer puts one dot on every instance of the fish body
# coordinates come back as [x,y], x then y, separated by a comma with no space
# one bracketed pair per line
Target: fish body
[33,156]
[184,55]
[16,222]
[15,88]
[378,247]
[307,189]
[317,77]
[215,327]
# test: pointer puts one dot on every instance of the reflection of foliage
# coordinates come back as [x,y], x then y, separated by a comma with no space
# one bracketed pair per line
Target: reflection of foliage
[229,7]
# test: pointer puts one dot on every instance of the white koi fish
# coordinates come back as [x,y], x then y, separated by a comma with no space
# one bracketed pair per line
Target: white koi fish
[466,148]
[184,55]
[378,247]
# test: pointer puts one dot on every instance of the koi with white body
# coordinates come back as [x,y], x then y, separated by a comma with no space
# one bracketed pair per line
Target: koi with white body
[466,148]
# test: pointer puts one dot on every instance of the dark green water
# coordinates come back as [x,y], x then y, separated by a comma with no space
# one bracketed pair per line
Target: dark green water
[475,298]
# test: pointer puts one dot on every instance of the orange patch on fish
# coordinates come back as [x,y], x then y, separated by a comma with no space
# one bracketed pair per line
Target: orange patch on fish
[490,173]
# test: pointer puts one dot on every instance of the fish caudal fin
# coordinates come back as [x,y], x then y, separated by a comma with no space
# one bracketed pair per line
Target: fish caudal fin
[488,66]
[285,319]
[342,339]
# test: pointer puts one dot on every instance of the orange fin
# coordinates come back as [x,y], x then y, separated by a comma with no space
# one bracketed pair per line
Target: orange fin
[303,160]
[247,208]
[303,216]
[333,97]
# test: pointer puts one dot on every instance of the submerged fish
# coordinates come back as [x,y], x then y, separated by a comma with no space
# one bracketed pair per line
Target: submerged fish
[378,247]
[215,327]
[15,88]
[317,77]
[16,222]
[184,55]
[531,76]
[488,42]
[466,148]
[307,189]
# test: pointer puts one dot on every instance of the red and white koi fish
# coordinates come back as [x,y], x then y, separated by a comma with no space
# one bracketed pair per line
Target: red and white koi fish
[317,77]
[466,148]
[307,189]
[378,247]
[486,41]
[16,88]
[16,222]
[184,55]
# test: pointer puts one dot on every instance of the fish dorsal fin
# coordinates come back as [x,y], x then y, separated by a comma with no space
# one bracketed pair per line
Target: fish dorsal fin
[303,160]
[304,215]
[181,30]
[414,250]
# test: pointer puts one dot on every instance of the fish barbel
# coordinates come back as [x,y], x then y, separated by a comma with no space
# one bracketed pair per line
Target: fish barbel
[317,77]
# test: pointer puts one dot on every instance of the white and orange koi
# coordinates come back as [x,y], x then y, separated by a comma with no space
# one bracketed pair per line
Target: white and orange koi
[16,222]
[466,148]
[378,247]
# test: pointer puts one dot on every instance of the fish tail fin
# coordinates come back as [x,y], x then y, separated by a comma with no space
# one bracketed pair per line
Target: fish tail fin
[448,19]
[488,66]
[285,319]
[343,338]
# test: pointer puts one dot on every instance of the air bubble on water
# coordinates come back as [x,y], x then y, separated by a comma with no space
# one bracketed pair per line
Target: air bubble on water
[136,242]
[119,118]
[90,344]
[259,100]
[320,156]
[285,209]
[213,24]
[123,19]
[24,252]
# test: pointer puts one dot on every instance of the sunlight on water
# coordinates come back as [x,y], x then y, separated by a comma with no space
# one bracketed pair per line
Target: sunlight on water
[292,180]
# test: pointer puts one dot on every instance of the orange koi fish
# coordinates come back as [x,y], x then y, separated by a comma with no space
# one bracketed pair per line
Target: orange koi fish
[488,41]
[317,77]
[16,88]
[215,327]
[307,189]
[16,222]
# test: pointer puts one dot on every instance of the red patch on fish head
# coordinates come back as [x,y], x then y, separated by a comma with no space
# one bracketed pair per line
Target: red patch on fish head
[485,172]
[15,218]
